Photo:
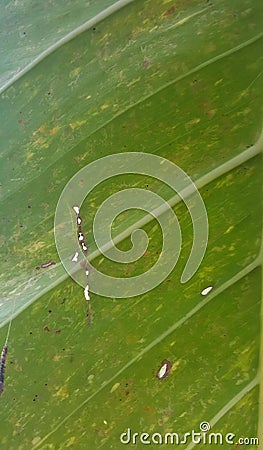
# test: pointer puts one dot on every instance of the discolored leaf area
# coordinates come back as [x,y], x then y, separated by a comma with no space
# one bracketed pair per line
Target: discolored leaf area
[83,80]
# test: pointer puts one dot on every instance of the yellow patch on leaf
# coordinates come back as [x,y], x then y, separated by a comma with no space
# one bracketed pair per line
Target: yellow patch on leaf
[229,229]
[105,106]
[62,393]
[42,128]
[77,124]
[194,121]
[71,441]
[75,72]
[175,365]
[134,81]
[114,387]
[53,130]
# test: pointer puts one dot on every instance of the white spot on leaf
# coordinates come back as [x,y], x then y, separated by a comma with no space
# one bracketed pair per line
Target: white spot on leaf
[206,290]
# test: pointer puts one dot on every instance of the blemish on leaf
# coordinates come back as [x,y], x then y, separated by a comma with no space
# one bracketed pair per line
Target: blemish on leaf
[53,131]
[229,229]
[77,124]
[105,106]
[170,11]
[42,128]
[145,63]
[114,387]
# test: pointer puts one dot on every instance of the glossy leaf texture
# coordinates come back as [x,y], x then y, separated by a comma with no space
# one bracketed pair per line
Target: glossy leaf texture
[83,80]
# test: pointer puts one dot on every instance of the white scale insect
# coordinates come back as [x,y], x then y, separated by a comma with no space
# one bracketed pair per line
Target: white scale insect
[206,290]
[75,257]
[164,370]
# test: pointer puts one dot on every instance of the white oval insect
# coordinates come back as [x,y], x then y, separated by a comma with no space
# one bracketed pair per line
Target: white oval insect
[86,293]
[81,237]
[207,290]
[75,257]
[164,369]
[76,209]
[84,247]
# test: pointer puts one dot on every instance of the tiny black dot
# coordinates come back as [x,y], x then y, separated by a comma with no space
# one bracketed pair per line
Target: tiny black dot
[24,33]
[36,395]
[63,349]
[94,28]
[29,206]
[120,399]
[49,93]
[30,332]
[49,311]
[34,399]
[45,384]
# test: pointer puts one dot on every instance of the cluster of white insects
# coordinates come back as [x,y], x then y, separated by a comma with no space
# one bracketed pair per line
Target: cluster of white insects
[84,248]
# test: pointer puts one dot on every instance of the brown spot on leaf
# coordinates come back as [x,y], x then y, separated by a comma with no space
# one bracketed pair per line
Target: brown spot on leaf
[169,11]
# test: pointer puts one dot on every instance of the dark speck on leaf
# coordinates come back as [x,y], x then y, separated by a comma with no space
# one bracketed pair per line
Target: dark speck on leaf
[46,329]
[30,332]
[94,28]
[145,63]
[29,206]
[50,311]
[170,11]
[58,331]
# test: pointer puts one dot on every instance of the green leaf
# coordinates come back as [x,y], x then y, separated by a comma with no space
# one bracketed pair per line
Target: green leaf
[81,81]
